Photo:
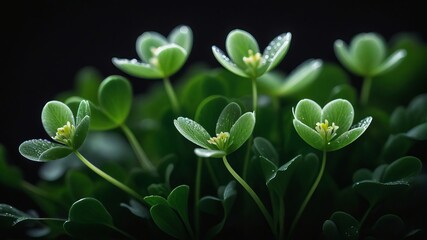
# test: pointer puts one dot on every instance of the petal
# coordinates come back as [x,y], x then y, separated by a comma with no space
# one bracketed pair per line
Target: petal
[276,50]
[137,69]
[340,112]
[171,58]
[391,62]
[350,136]
[238,44]
[343,55]
[227,63]
[56,114]
[208,153]
[192,131]
[368,51]
[146,42]
[228,117]
[42,150]
[308,112]
[183,36]
[309,135]
[241,131]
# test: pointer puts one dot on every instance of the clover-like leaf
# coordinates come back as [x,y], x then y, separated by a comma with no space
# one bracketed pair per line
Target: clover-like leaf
[56,114]
[192,131]
[115,98]
[226,62]
[366,55]
[170,58]
[182,35]
[178,200]
[241,131]
[341,225]
[137,69]
[312,124]
[228,117]
[148,41]
[402,169]
[11,216]
[263,147]
[238,43]
[276,50]
[168,221]
[41,150]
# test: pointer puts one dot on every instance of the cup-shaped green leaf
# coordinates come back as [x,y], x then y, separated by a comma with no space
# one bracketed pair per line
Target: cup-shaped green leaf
[69,135]
[341,225]
[160,56]
[233,129]
[182,35]
[244,56]
[115,98]
[367,55]
[329,128]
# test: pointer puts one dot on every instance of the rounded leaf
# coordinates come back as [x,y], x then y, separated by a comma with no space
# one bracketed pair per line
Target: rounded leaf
[241,131]
[350,136]
[228,117]
[226,62]
[42,150]
[238,44]
[81,132]
[137,69]
[182,36]
[346,59]
[82,111]
[390,63]
[368,51]
[340,112]
[148,41]
[115,98]
[168,221]
[308,112]
[56,114]
[276,50]
[402,169]
[171,58]
[89,211]
[309,135]
[192,131]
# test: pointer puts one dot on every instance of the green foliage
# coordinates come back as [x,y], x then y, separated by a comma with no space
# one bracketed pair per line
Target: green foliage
[372,188]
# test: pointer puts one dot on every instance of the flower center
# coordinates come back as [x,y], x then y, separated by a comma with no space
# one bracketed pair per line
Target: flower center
[326,131]
[65,134]
[153,60]
[221,140]
[253,60]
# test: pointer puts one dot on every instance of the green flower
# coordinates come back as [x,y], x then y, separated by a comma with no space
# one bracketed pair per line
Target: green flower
[329,128]
[232,130]
[60,124]
[367,55]
[161,57]
[245,58]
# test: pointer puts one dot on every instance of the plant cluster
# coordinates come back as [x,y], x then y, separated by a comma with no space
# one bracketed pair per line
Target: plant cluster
[243,150]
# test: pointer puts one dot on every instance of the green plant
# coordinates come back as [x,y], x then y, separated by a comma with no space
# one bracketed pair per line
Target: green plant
[290,168]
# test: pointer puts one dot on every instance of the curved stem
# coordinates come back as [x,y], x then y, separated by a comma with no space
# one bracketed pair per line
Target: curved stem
[254,95]
[140,154]
[309,194]
[108,177]
[247,156]
[172,96]
[365,216]
[197,196]
[40,192]
[252,194]
[366,89]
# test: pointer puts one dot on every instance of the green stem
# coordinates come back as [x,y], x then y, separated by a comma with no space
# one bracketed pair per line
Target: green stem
[365,215]
[140,154]
[254,95]
[310,193]
[247,156]
[252,194]
[211,171]
[108,177]
[37,191]
[281,218]
[197,196]
[366,89]
[172,96]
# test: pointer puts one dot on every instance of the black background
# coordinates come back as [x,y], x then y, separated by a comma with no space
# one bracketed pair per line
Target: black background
[45,42]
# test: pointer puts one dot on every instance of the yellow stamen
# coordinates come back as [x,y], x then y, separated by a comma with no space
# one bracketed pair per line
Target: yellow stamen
[326,131]
[65,134]
[221,140]
[253,60]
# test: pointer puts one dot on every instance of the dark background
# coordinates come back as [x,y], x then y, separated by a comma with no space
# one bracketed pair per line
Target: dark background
[45,42]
